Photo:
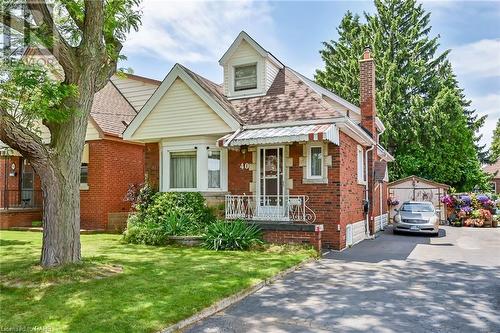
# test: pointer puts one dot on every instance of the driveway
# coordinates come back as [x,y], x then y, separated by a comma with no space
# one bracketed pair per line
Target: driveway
[395,283]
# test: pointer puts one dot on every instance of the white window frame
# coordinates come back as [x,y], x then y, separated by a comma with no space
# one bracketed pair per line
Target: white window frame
[494,187]
[85,160]
[360,165]
[309,161]
[201,147]
[187,189]
[235,94]
[255,64]
[220,168]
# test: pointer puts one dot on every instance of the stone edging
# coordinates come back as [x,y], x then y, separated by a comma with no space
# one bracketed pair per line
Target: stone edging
[230,300]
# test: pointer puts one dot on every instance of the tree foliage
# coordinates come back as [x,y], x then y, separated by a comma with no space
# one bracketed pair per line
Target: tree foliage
[84,40]
[429,127]
[495,145]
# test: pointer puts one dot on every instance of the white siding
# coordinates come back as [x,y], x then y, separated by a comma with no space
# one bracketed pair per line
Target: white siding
[355,233]
[135,91]
[342,109]
[244,54]
[380,221]
[271,72]
[358,232]
[180,112]
[92,133]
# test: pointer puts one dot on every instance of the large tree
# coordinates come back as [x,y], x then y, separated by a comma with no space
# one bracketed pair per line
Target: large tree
[412,81]
[85,37]
[495,144]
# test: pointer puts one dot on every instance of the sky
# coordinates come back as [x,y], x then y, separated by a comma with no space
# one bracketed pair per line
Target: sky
[197,33]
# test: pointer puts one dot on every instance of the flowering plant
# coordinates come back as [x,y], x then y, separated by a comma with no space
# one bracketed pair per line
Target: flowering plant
[465,200]
[449,200]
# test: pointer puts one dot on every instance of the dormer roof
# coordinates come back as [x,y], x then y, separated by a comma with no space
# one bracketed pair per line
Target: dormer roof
[243,36]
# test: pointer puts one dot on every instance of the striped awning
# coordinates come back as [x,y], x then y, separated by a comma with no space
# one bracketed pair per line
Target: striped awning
[288,134]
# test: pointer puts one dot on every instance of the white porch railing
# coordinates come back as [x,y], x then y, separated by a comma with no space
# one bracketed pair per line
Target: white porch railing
[291,208]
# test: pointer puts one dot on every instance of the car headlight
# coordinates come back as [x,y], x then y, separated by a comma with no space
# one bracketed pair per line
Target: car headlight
[397,218]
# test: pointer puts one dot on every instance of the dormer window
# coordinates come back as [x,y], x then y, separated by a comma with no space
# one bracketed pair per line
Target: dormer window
[245,77]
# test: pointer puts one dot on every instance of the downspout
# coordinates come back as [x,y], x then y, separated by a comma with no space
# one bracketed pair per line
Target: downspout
[367,220]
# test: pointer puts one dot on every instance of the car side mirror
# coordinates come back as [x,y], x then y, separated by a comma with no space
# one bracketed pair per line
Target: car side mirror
[438,211]
[395,210]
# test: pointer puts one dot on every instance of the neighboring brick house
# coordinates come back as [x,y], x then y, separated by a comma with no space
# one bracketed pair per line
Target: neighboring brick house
[274,146]
[494,170]
[109,163]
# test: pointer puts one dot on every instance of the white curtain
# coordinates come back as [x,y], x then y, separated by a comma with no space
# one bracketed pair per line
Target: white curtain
[183,169]
[214,169]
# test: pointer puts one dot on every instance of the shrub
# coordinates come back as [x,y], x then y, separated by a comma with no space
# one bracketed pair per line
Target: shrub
[235,235]
[189,206]
[168,214]
[36,224]
[147,233]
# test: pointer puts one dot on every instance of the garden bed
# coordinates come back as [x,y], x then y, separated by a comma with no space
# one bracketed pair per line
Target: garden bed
[471,209]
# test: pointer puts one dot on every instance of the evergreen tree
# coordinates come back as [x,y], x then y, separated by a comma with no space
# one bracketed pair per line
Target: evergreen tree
[495,145]
[415,85]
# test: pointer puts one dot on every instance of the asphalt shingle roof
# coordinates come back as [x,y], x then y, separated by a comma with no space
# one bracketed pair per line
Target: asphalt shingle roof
[110,110]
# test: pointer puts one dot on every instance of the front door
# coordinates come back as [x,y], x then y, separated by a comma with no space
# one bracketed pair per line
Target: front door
[271,188]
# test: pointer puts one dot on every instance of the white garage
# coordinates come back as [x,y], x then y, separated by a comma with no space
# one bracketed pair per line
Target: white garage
[415,188]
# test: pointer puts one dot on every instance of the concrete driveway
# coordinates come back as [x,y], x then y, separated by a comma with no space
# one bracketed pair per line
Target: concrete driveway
[395,283]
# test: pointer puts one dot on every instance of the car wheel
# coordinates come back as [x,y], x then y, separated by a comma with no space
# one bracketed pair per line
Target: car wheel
[395,232]
[436,234]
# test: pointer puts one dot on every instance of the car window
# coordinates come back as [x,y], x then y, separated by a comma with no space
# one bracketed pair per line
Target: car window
[417,207]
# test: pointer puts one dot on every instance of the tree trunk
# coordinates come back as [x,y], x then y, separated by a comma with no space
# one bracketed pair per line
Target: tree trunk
[61,218]
[60,178]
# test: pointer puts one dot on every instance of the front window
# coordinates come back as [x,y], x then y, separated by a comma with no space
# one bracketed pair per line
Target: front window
[84,173]
[183,169]
[417,207]
[245,77]
[316,162]
[213,169]
[493,187]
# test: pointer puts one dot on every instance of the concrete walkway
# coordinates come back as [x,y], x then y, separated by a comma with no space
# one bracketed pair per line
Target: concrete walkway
[395,283]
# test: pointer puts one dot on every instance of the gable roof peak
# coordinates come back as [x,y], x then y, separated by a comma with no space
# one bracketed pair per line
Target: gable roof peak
[243,36]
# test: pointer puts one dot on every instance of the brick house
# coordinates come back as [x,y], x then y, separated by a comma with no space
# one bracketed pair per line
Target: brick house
[109,164]
[273,146]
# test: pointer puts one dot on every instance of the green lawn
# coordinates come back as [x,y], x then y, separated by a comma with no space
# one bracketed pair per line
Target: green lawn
[121,287]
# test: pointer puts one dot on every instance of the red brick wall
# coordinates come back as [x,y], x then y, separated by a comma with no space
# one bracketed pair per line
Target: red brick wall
[352,193]
[19,218]
[323,198]
[239,179]
[296,237]
[338,202]
[113,165]
[152,164]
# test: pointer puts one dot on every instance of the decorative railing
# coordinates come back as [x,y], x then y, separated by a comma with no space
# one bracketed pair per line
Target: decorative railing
[16,199]
[292,208]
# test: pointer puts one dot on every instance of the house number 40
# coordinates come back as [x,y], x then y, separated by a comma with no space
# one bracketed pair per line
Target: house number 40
[244,166]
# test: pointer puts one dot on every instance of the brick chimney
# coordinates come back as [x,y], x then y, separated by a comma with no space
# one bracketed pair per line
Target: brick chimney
[367,92]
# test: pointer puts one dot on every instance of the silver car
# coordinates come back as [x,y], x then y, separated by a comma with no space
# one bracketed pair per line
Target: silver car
[417,217]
